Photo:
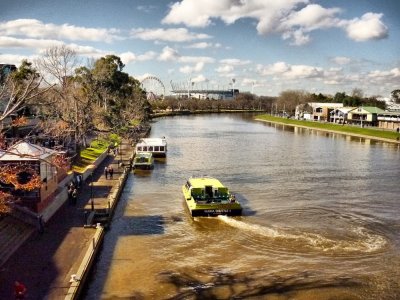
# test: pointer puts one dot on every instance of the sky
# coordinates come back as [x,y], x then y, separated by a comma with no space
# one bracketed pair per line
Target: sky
[259,46]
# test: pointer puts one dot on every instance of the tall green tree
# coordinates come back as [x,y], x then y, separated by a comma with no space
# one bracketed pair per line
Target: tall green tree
[118,96]
[395,94]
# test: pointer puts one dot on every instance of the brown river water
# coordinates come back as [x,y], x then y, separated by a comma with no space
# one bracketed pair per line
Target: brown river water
[321,217]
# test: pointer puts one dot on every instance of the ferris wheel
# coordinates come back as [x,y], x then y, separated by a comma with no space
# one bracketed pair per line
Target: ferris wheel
[154,88]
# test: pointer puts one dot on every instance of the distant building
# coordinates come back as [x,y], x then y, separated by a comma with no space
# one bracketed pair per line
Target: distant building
[320,111]
[340,115]
[6,69]
[389,120]
[364,115]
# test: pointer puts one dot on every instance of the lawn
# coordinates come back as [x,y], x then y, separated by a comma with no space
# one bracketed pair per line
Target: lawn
[346,129]
[90,154]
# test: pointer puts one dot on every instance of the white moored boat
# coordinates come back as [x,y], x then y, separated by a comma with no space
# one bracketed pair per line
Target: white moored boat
[156,146]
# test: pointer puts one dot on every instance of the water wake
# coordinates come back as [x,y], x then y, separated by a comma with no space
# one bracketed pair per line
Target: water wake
[357,239]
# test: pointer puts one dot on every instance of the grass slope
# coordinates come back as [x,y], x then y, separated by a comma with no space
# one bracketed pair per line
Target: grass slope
[346,129]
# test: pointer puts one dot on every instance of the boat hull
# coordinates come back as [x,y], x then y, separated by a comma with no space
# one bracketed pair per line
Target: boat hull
[215,212]
[143,167]
[207,197]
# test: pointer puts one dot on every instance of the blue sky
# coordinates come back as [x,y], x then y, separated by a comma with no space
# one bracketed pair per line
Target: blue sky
[266,46]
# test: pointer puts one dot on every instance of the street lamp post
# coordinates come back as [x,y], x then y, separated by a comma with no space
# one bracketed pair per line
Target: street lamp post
[233,88]
[91,191]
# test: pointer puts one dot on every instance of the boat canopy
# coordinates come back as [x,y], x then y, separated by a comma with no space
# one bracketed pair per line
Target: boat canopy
[154,145]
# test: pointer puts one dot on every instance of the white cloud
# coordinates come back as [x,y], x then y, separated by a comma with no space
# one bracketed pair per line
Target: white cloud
[276,68]
[168,35]
[369,27]
[224,69]
[234,62]
[293,19]
[40,45]
[284,70]
[192,69]
[341,60]
[385,75]
[12,42]
[33,28]
[297,37]
[195,59]
[204,45]
[15,59]
[199,78]
[129,56]
[168,54]
[143,76]
[303,71]
[312,17]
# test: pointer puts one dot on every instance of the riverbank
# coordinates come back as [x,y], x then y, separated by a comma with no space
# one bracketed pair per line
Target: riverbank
[198,112]
[367,133]
[48,259]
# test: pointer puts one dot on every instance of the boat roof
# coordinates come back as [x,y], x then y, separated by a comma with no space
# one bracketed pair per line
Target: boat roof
[152,142]
[199,182]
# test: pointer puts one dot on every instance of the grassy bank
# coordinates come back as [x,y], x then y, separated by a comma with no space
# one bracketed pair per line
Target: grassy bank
[345,129]
[97,147]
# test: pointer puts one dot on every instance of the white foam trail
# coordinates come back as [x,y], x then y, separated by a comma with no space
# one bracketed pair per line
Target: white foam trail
[366,241]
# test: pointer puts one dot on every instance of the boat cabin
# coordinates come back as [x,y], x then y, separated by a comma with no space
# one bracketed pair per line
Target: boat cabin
[156,146]
[143,160]
[210,190]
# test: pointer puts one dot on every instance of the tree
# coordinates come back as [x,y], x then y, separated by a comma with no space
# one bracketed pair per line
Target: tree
[339,97]
[67,109]
[357,93]
[288,100]
[395,94]
[118,98]
[20,89]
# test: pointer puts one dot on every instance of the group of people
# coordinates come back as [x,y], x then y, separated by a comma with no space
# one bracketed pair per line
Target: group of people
[109,172]
[72,193]
[113,150]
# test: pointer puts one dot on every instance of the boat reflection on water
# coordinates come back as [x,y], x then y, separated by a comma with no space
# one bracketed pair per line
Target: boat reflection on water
[142,172]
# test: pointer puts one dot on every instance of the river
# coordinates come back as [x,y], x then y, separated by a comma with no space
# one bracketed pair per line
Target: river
[320,221]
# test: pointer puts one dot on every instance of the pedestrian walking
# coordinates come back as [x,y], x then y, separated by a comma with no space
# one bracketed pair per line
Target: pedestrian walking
[74,196]
[78,181]
[111,171]
[70,190]
[19,290]
[106,172]
[40,224]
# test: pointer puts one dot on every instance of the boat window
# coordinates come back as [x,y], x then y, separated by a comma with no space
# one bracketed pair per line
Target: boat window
[209,191]
[139,148]
[161,148]
[151,148]
[144,148]
[156,148]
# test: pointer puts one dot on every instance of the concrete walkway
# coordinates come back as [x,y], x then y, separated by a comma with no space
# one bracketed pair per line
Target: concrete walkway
[45,262]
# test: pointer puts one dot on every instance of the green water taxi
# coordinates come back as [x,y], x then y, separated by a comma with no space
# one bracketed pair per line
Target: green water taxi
[207,196]
[143,160]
